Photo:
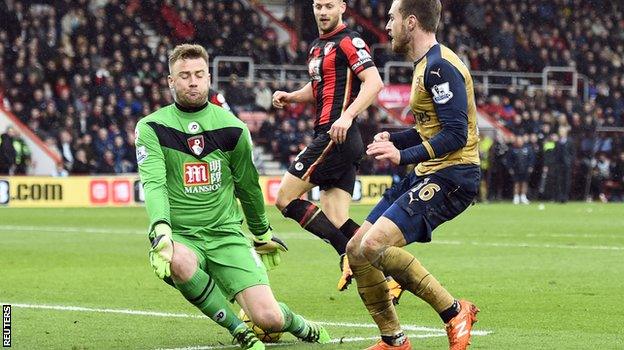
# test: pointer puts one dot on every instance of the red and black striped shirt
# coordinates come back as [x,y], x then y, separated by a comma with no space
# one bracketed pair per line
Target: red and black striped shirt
[334,61]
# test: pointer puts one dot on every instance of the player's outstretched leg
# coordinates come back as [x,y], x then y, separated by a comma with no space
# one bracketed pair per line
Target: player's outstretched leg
[408,271]
[201,290]
[303,329]
[312,219]
[373,289]
[348,229]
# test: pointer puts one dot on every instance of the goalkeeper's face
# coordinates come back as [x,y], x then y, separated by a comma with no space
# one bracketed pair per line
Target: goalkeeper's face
[189,80]
[397,29]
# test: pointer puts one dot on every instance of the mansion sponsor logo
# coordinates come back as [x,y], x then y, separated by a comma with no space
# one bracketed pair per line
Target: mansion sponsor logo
[202,177]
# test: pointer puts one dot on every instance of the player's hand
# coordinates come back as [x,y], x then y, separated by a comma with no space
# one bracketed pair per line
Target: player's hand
[384,150]
[382,136]
[280,99]
[338,130]
[269,249]
[162,250]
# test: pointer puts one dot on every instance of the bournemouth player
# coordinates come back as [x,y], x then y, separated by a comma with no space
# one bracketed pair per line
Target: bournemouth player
[216,98]
[443,145]
[343,82]
[195,160]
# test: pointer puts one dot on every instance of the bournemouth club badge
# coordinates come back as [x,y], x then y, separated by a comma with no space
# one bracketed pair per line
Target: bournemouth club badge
[196,144]
[328,47]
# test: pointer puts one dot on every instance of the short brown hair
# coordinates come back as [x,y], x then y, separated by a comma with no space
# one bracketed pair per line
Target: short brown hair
[427,12]
[186,51]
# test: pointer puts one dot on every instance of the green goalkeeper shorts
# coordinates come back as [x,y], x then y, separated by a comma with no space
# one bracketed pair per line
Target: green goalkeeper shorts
[228,258]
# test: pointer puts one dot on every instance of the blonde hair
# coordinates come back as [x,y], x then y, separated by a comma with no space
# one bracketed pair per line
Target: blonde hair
[186,51]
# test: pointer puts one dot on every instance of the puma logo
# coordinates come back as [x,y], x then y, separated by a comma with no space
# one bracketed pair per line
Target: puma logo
[411,196]
[436,73]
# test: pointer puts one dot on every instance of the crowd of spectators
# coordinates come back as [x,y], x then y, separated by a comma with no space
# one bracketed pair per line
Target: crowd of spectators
[80,76]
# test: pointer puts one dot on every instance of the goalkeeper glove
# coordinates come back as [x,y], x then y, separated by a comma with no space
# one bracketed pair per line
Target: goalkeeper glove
[268,248]
[162,250]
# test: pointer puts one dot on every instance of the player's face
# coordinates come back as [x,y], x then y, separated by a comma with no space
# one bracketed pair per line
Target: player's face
[397,29]
[328,14]
[190,80]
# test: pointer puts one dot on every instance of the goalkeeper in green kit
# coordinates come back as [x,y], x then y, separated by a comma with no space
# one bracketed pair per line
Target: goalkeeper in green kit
[194,160]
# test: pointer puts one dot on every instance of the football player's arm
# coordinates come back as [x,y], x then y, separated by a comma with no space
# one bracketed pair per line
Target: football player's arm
[152,170]
[360,63]
[450,102]
[405,139]
[246,185]
[247,189]
[370,88]
[303,95]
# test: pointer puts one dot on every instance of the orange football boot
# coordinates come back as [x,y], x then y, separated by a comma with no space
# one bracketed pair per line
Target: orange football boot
[381,345]
[458,328]
[395,290]
[347,274]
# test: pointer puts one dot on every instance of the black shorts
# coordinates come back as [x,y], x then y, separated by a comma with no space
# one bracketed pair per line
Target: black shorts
[419,204]
[330,165]
[520,176]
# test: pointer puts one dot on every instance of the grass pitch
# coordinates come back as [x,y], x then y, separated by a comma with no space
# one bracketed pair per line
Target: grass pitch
[544,277]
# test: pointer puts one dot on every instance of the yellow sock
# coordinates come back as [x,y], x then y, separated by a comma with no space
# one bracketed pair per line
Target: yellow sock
[412,276]
[373,290]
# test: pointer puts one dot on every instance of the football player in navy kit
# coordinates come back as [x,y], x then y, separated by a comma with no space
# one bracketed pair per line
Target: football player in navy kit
[443,144]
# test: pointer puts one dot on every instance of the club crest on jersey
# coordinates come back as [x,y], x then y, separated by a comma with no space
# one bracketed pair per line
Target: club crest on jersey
[442,93]
[328,47]
[193,127]
[196,144]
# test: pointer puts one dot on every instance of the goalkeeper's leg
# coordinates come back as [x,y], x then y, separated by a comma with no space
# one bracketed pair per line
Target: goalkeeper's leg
[201,290]
[264,311]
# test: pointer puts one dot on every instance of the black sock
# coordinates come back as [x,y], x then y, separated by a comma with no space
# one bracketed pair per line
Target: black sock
[394,340]
[451,312]
[312,218]
[349,228]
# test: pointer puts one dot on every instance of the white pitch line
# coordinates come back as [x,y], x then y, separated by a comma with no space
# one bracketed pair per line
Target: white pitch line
[104,311]
[531,245]
[333,341]
[75,229]
[412,328]
[182,315]
[307,237]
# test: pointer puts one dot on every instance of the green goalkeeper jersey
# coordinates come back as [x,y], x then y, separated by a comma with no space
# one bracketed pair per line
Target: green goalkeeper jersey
[193,166]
